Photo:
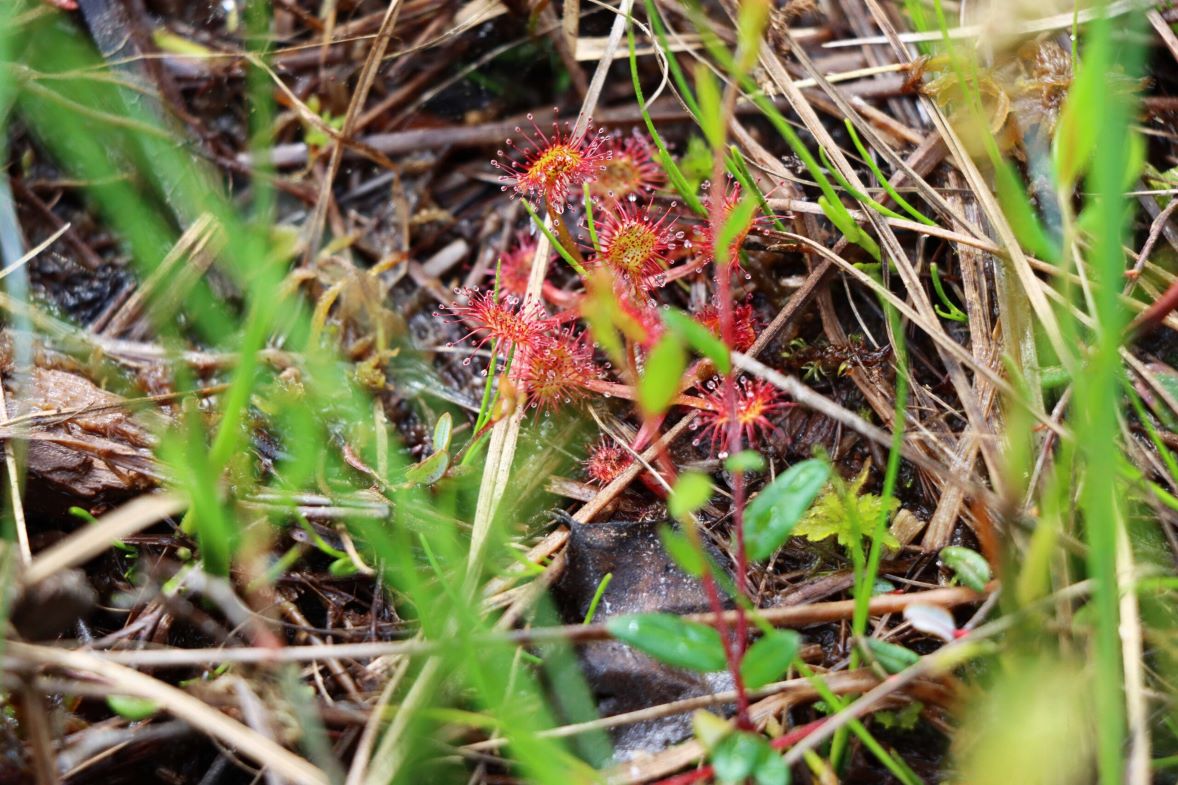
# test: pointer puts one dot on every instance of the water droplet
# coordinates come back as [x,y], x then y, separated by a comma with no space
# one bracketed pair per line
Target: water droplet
[695,442]
[466,361]
[722,454]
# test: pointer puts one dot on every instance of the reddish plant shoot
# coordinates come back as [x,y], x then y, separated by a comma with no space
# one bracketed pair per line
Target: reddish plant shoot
[744,324]
[606,461]
[729,199]
[507,322]
[515,266]
[631,169]
[553,165]
[755,401]
[634,244]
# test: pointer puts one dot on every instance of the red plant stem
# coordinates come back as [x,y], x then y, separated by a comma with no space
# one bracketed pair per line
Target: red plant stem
[627,393]
[780,743]
[727,315]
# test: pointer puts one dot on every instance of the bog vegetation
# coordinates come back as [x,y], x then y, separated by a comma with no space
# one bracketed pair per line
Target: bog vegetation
[735,391]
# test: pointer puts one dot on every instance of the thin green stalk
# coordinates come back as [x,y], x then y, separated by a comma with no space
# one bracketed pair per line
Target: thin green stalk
[882,179]
[1096,407]
[556,243]
[678,181]
[590,223]
[837,704]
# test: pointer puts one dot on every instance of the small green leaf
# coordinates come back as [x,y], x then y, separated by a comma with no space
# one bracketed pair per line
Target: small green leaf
[711,118]
[772,770]
[773,513]
[842,220]
[970,567]
[1076,129]
[709,729]
[660,379]
[597,595]
[430,470]
[681,551]
[745,461]
[735,225]
[342,567]
[750,26]
[692,491]
[892,657]
[698,337]
[671,640]
[768,658]
[696,161]
[736,757]
[442,432]
[131,708]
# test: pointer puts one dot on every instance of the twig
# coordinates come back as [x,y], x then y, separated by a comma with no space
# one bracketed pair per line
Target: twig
[124,681]
[132,517]
[367,76]
[787,616]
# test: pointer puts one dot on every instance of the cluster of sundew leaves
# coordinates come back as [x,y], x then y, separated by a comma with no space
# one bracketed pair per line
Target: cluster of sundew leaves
[634,238]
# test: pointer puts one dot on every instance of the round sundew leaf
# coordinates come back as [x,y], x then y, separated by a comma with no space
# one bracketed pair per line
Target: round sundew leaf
[773,513]
[769,657]
[671,640]
[970,567]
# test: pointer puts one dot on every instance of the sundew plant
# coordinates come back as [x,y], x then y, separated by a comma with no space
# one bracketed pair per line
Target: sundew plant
[333,330]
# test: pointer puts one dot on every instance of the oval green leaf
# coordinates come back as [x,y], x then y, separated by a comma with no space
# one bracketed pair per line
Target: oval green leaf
[131,708]
[745,461]
[671,640]
[773,513]
[970,567]
[737,756]
[430,470]
[681,551]
[698,337]
[769,657]
[660,379]
[442,431]
[892,657]
[692,491]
